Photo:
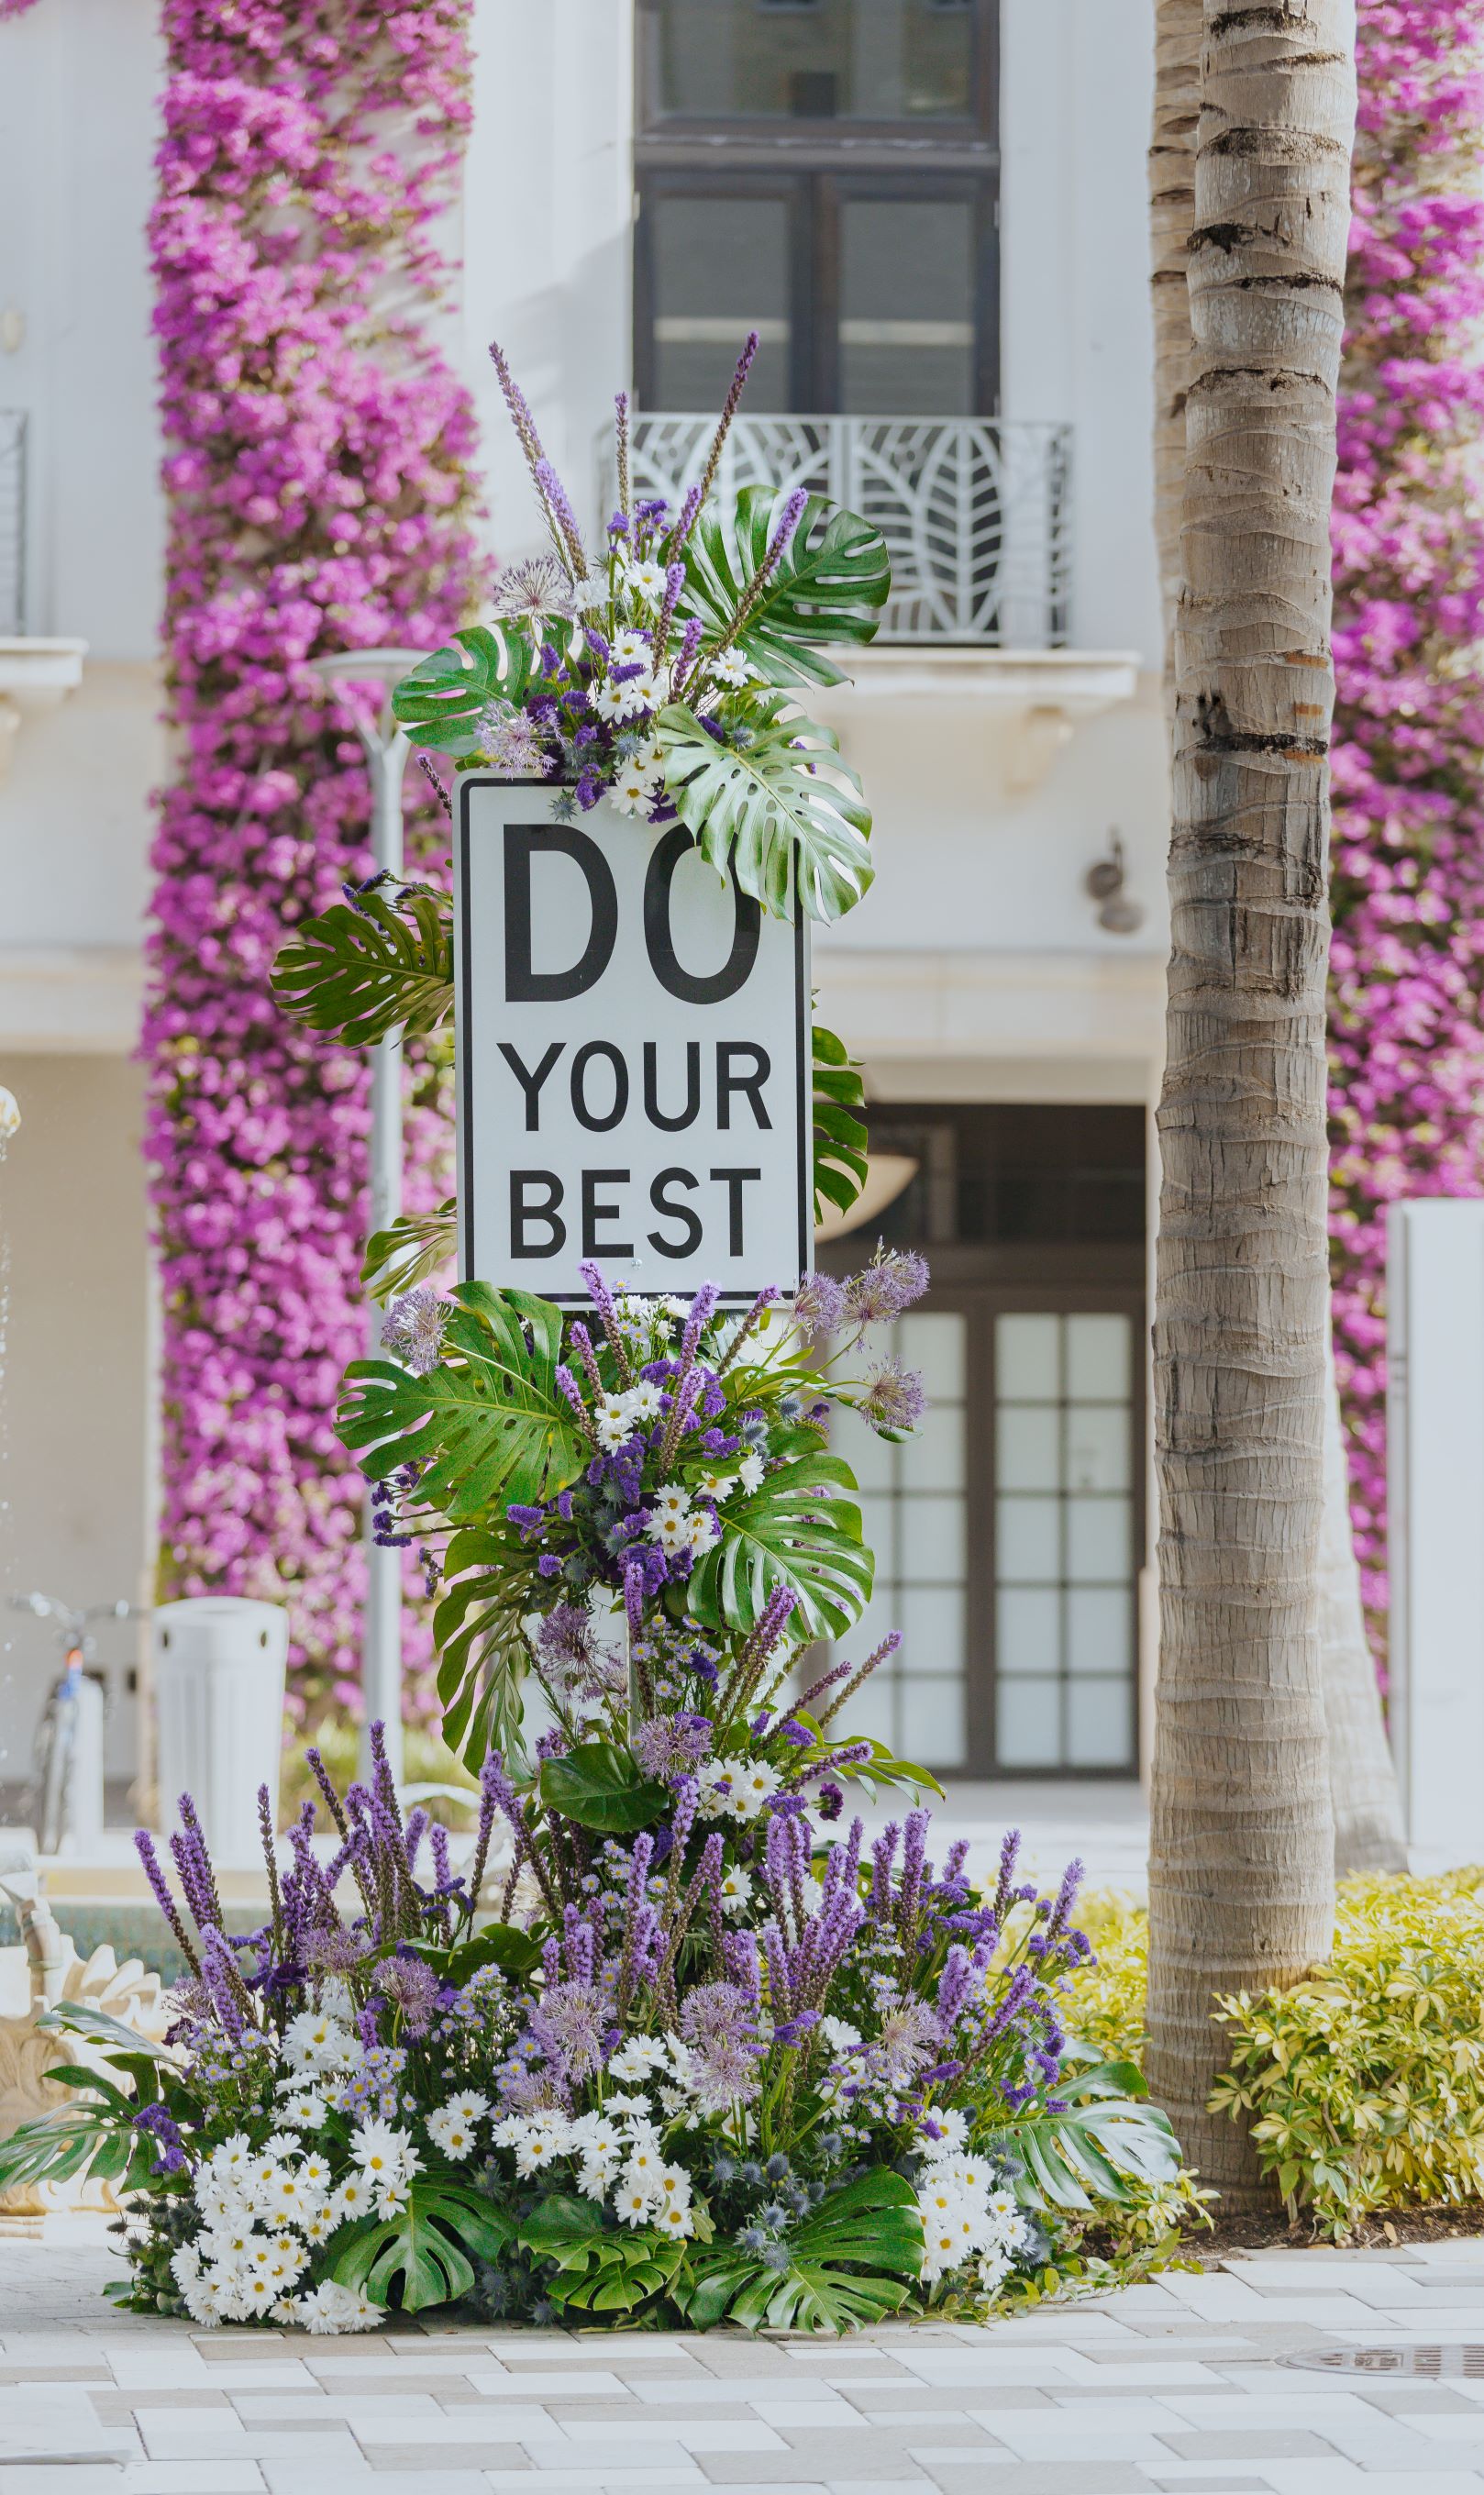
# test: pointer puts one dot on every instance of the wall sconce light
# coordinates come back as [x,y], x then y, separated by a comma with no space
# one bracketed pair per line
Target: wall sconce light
[1106,883]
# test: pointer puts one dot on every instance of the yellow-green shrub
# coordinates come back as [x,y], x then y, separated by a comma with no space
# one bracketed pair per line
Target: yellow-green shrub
[1364,2085]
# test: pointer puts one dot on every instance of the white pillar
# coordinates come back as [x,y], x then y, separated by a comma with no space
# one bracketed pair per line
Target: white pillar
[1434,1469]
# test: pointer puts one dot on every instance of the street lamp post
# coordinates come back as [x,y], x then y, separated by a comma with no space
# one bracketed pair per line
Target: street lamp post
[385,746]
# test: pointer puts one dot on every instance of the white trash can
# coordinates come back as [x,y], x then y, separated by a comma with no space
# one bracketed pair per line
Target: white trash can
[219,1691]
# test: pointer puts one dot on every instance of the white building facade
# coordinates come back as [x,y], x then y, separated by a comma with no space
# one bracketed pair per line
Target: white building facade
[933,211]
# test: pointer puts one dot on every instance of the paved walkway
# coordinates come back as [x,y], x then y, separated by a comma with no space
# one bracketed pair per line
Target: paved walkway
[1182,2388]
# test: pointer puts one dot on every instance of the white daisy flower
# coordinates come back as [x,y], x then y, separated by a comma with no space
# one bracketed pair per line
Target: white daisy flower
[701,1529]
[329,2309]
[631,647]
[632,793]
[750,1471]
[641,1403]
[647,582]
[611,1420]
[729,667]
[736,1889]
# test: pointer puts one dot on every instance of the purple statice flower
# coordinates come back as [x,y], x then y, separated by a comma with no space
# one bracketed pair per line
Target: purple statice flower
[158,2126]
[413,1328]
[716,2021]
[894,1278]
[411,1986]
[669,1745]
[829,1801]
[818,1303]
[894,1398]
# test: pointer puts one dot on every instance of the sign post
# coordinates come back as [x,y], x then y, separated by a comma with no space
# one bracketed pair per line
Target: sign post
[634,1057]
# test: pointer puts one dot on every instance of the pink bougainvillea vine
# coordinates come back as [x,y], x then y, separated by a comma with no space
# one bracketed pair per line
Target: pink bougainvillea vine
[1406,1031]
[318,497]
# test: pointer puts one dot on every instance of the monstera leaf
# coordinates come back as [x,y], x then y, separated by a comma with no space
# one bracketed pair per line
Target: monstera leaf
[848,2263]
[412,1247]
[1109,2136]
[839,1139]
[794,1531]
[828,584]
[482,1655]
[591,2266]
[781,797]
[422,2255]
[490,1424]
[440,702]
[360,973]
[601,1787]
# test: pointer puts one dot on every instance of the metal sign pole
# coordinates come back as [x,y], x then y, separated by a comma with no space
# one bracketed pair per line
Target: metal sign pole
[387,750]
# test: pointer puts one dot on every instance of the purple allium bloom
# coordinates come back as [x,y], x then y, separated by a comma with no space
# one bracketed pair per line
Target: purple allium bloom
[668,1745]
[568,2024]
[895,1397]
[894,1278]
[410,1984]
[413,1328]
[511,741]
[818,1303]
[716,2021]
[533,589]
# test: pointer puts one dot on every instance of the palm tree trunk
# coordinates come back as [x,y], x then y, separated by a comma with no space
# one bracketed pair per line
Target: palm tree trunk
[1241,1850]
[1370,1830]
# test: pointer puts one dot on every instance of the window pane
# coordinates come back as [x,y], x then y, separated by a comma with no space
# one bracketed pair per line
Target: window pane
[1028,1450]
[871,60]
[721,267]
[907,311]
[1028,1363]
[935,1343]
[870,1713]
[1099,1629]
[1098,1358]
[1027,1723]
[932,1624]
[932,1545]
[1098,1447]
[859,1445]
[1100,1729]
[1098,1542]
[1027,1549]
[935,1452]
[932,1724]
[1028,1630]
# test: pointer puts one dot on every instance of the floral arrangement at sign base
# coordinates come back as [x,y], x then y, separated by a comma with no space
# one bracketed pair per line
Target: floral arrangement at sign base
[708,2055]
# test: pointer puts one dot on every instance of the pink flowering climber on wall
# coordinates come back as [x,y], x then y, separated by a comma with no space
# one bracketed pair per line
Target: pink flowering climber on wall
[318,497]
[1407,1044]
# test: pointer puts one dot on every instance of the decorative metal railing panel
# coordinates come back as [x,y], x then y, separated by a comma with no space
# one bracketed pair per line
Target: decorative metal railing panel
[13,520]
[975,514]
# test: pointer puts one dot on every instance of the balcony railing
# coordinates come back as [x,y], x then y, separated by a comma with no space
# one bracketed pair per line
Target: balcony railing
[975,515]
[12,521]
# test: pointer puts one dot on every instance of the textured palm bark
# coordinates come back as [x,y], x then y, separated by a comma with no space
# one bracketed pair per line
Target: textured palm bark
[1241,1847]
[1370,1830]
[1171,215]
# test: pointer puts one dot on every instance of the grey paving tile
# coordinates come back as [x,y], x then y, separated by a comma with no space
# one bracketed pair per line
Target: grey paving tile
[1256,2442]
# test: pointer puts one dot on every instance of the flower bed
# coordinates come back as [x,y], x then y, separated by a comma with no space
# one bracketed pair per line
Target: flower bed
[705,2053]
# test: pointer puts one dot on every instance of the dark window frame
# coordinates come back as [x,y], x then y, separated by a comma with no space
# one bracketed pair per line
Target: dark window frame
[978,125]
[814,196]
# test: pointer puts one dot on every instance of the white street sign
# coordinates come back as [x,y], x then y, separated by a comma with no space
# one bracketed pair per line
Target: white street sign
[634,1057]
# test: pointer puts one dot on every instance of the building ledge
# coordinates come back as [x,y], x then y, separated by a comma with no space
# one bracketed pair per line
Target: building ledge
[1031,701]
[35,675]
[71,1000]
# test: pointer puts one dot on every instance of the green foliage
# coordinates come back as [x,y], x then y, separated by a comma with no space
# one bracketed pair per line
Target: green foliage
[440,702]
[839,1139]
[1363,2087]
[489,1422]
[1106,2005]
[502,1945]
[1110,2138]
[410,1252]
[784,795]
[422,2255]
[360,973]
[599,1787]
[482,1649]
[831,579]
[94,2135]
[849,2265]
[794,1530]
[591,2267]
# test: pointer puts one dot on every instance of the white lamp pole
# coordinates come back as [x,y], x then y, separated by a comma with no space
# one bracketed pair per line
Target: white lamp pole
[385,746]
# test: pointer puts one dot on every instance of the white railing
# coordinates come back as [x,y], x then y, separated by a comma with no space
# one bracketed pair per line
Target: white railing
[12,521]
[975,514]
